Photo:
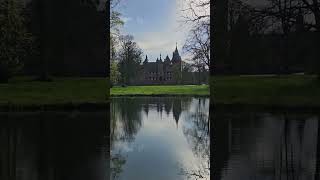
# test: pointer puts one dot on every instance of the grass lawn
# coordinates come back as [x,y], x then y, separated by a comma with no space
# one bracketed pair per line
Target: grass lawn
[289,90]
[187,90]
[25,91]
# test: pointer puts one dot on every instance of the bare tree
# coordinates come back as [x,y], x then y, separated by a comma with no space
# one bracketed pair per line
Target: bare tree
[292,16]
[314,7]
[198,42]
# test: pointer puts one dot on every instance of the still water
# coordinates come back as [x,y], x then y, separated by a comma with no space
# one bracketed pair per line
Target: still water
[160,138]
[266,145]
[54,145]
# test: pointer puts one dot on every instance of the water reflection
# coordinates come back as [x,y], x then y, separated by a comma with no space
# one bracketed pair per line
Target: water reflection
[160,138]
[53,145]
[260,145]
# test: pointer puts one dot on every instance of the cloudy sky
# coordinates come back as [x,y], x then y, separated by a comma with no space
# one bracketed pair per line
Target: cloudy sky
[156,25]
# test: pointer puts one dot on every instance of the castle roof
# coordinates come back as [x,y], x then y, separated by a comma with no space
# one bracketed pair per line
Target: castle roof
[167,59]
[175,56]
[175,59]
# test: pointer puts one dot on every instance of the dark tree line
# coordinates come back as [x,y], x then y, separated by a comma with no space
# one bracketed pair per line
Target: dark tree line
[15,40]
[279,37]
[67,38]
[71,38]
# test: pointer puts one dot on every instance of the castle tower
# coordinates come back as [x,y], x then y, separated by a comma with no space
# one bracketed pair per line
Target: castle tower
[176,58]
[167,60]
[146,60]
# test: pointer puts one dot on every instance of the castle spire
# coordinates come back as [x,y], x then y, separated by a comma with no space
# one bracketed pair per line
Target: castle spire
[146,60]
[175,55]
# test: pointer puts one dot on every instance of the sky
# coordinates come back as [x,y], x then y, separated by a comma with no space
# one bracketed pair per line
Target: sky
[156,26]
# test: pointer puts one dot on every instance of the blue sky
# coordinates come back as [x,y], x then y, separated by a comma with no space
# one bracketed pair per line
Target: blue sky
[155,24]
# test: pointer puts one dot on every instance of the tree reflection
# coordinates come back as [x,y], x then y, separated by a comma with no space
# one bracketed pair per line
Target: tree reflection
[125,119]
[265,145]
[117,161]
[125,123]
[198,136]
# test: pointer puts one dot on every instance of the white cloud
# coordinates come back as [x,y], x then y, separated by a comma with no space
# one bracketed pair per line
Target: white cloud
[154,43]
[162,39]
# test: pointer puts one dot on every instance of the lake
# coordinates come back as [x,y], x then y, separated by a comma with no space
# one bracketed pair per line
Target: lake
[154,138]
[54,145]
[157,138]
[266,145]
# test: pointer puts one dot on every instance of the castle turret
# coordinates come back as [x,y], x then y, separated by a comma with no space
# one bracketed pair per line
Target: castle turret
[146,60]
[175,56]
[167,60]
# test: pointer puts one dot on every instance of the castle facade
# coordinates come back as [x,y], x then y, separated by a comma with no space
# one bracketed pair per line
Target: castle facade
[166,71]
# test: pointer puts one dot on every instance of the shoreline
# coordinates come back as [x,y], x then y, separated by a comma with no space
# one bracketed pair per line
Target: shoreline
[102,106]
[236,107]
[160,95]
[88,107]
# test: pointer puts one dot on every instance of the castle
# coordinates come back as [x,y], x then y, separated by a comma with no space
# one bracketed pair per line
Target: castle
[160,72]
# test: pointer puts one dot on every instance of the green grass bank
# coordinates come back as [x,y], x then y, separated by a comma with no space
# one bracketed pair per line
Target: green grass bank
[286,90]
[24,91]
[164,90]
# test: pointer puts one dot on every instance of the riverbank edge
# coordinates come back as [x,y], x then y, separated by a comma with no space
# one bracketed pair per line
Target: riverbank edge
[160,95]
[98,106]
[237,107]
[85,107]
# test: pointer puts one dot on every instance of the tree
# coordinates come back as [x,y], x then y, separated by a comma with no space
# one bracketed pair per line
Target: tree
[177,73]
[15,41]
[198,44]
[314,7]
[288,14]
[114,73]
[129,58]
[199,67]
[115,24]
[198,41]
